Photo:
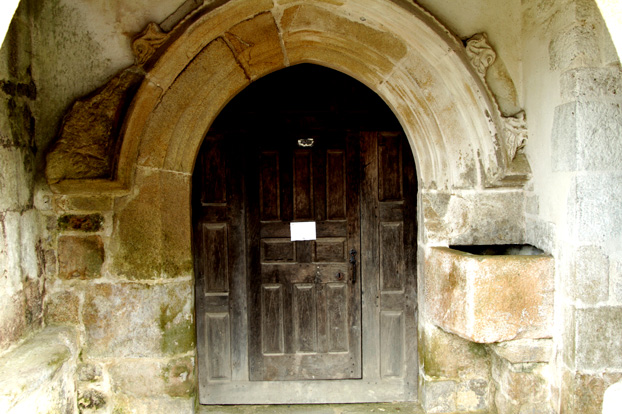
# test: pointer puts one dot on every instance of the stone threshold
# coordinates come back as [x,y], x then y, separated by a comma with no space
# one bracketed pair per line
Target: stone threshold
[378,408]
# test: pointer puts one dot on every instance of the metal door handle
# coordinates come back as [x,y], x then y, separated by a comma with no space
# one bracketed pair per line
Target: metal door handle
[353,262]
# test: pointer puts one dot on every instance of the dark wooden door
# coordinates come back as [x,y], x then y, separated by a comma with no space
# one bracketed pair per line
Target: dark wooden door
[304,313]
[278,321]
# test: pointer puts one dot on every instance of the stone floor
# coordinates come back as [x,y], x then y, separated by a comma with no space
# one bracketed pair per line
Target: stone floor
[396,408]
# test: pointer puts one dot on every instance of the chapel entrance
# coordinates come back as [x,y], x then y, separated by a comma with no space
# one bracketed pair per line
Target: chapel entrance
[304,204]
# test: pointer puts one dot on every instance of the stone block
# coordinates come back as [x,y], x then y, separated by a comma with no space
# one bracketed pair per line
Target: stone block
[152,405]
[37,376]
[490,299]
[585,84]
[472,395]
[72,203]
[574,47]
[16,178]
[445,356]
[151,237]
[62,308]
[85,222]
[594,216]
[524,350]
[585,136]
[521,383]
[591,276]
[439,397]
[495,217]
[312,33]
[131,320]
[80,257]
[151,378]
[615,278]
[598,339]
[12,321]
[584,392]
[257,45]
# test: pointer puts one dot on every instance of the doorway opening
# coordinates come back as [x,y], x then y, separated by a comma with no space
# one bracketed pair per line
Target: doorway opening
[326,314]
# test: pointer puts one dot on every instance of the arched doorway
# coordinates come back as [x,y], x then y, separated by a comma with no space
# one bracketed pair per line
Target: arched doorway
[281,315]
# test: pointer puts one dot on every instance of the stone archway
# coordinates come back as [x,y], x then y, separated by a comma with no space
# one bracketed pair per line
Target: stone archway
[186,76]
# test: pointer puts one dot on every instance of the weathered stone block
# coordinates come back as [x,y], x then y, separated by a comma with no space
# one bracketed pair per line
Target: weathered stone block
[82,203]
[524,350]
[577,46]
[16,178]
[585,136]
[591,83]
[152,378]
[37,376]
[583,393]
[591,275]
[86,222]
[594,216]
[615,278]
[496,217]
[257,45]
[80,257]
[472,395]
[62,308]
[130,320]
[152,229]
[152,405]
[439,397]
[598,340]
[521,383]
[490,298]
[445,356]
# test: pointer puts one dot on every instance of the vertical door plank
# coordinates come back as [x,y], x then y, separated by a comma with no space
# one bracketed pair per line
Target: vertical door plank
[337,307]
[215,257]
[335,185]
[305,318]
[272,319]
[303,198]
[392,344]
[391,257]
[269,189]
[218,346]
[390,167]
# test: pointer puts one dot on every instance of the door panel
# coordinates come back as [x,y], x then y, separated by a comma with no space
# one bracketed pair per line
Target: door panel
[278,321]
[304,322]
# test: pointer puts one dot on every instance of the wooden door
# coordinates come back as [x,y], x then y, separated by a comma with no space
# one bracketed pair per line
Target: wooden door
[304,313]
[279,321]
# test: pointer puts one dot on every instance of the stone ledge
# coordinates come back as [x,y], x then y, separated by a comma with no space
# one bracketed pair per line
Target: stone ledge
[36,376]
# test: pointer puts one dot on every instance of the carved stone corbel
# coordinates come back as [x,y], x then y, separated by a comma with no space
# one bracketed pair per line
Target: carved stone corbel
[515,132]
[480,53]
[147,42]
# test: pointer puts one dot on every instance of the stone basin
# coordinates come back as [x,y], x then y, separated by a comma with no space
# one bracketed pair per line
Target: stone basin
[489,294]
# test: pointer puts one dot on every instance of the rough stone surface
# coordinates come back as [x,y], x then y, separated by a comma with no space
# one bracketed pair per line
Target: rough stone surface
[583,393]
[519,384]
[489,298]
[131,320]
[80,257]
[445,356]
[153,378]
[592,83]
[152,405]
[16,176]
[152,228]
[582,136]
[598,344]
[615,279]
[486,218]
[594,216]
[37,376]
[439,397]
[591,275]
[524,350]
[574,47]
[87,144]
[62,308]
[82,203]
[88,223]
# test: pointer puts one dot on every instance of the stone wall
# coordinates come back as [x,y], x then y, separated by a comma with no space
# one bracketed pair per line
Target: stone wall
[22,249]
[575,100]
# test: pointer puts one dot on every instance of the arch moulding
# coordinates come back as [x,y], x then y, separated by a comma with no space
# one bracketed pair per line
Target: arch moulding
[187,75]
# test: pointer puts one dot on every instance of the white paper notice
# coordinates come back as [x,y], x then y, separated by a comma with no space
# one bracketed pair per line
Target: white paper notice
[302,230]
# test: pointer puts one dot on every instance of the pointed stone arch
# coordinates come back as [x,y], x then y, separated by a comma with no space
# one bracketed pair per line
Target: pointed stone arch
[398,50]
